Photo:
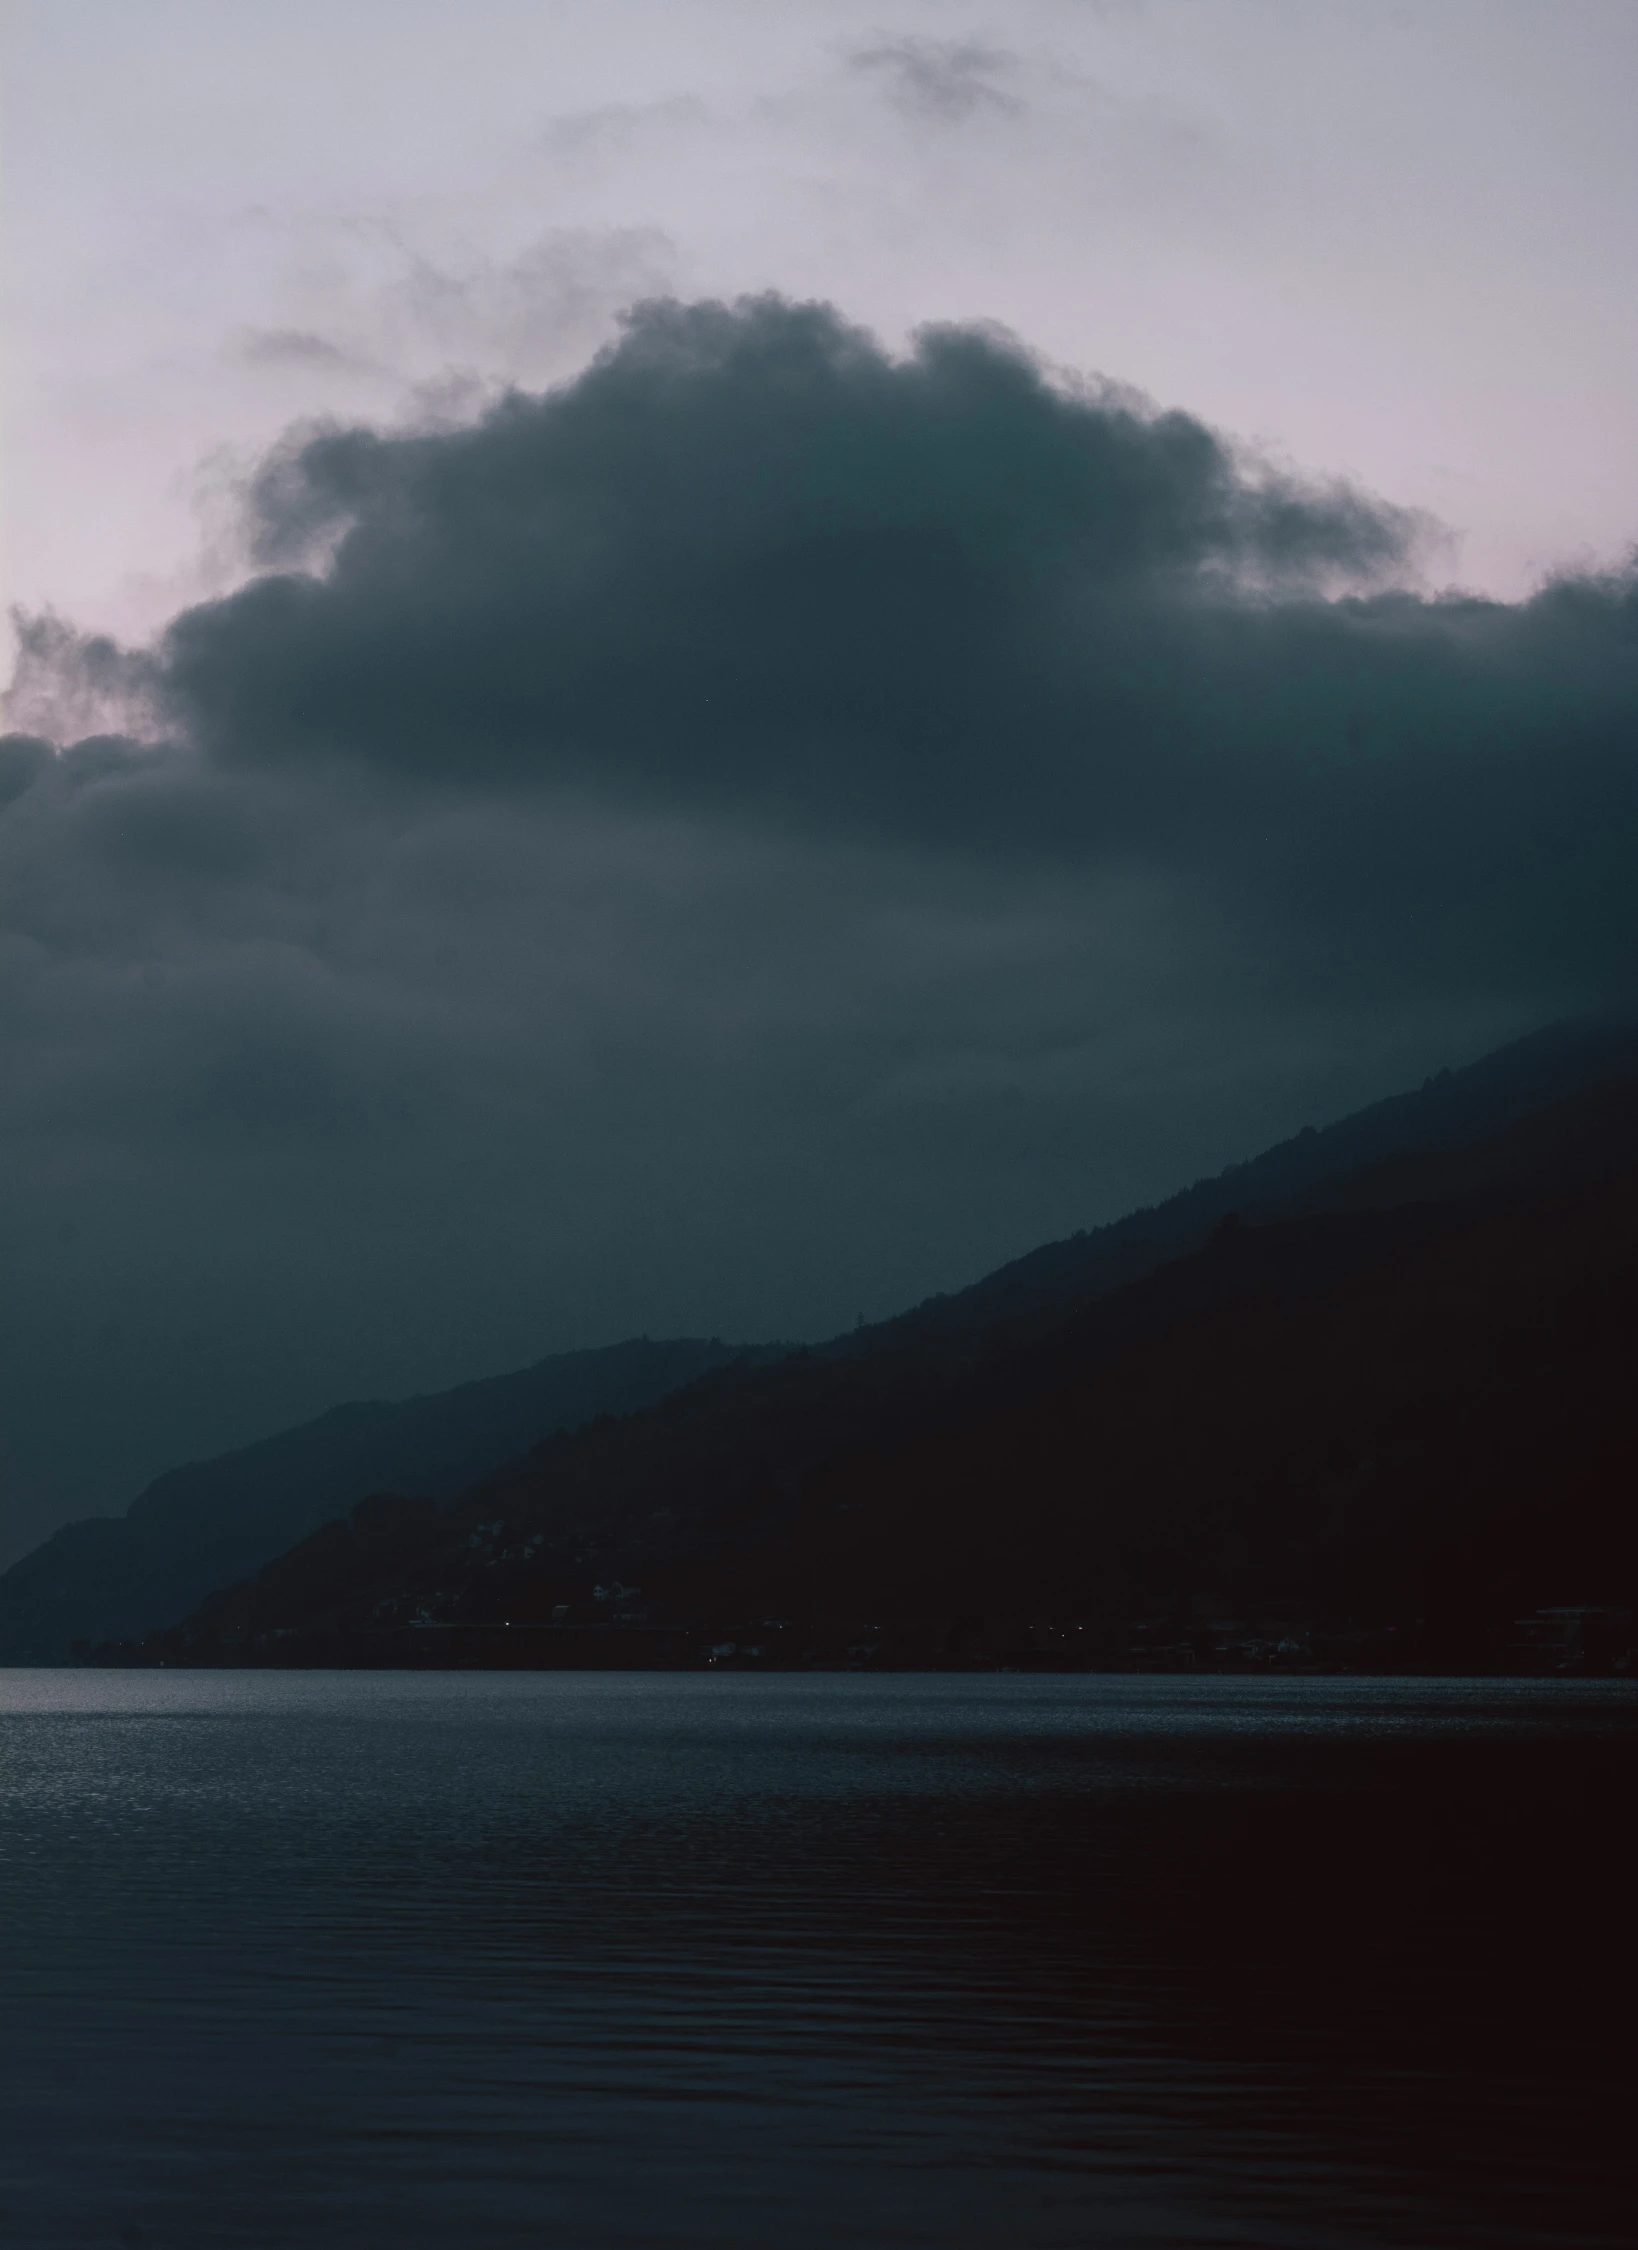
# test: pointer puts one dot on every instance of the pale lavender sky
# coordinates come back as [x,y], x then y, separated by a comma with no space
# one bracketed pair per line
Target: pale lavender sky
[1392,241]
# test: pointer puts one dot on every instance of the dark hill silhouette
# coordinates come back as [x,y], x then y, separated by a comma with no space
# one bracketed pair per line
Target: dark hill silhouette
[1453,1111]
[204,1525]
[1417,1404]
[1440,1434]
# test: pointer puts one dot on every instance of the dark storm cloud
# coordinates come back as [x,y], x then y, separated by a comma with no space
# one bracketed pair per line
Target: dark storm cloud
[748,565]
[748,554]
[761,832]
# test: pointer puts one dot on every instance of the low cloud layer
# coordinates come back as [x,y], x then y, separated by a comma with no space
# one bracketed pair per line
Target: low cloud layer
[752,836]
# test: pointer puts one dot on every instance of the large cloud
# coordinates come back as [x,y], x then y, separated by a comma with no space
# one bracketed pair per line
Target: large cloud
[748,564]
[748,555]
[753,835]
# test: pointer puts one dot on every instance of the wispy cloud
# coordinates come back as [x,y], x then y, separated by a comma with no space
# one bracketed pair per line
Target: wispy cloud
[947,79]
[303,348]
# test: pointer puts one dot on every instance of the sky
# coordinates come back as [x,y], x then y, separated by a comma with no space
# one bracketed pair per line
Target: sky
[700,668]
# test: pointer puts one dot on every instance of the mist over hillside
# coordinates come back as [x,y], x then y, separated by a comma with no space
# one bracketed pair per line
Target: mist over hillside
[1378,1381]
[203,1525]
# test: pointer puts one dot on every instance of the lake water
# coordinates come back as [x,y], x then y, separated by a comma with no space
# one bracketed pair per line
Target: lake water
[586,1961]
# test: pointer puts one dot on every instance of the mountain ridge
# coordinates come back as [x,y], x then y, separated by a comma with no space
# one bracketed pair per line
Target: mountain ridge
[701,1493]
[205,1523]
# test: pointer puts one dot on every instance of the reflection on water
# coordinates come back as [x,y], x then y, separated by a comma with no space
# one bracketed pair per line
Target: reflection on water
[596,1960]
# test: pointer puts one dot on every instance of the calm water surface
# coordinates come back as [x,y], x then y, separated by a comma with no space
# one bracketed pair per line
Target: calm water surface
[614,1962]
